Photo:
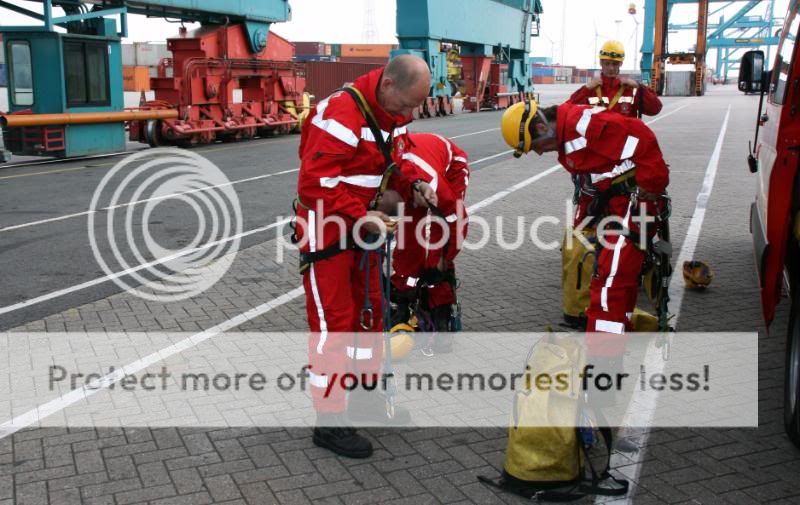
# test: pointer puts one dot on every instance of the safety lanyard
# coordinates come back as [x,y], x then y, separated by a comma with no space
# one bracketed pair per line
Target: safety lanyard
[383,146]
[616,98]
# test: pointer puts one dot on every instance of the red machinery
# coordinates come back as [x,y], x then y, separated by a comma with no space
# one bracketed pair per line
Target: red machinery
[209,68]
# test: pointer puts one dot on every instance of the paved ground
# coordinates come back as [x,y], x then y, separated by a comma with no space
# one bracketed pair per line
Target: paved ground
[502,291]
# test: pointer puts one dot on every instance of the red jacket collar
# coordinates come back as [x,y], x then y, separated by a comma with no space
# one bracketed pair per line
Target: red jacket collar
[368,84]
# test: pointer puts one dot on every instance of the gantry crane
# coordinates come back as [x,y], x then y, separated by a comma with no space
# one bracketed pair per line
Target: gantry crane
[751,31]
[494,37]
[65,88]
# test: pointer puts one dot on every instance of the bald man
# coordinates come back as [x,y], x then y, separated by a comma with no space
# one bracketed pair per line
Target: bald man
[340,175]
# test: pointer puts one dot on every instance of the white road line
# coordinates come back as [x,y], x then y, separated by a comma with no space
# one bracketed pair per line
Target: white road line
[653,361]
[100,280]
[137,202]
[94,282]
[34,416]
[143,266]
[475,133]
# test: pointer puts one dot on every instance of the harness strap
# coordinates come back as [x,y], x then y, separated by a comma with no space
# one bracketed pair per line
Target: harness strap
[614,100]
[383,146]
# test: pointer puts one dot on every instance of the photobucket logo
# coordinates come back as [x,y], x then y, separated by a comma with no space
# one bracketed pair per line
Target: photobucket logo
[142,236]
[317,228]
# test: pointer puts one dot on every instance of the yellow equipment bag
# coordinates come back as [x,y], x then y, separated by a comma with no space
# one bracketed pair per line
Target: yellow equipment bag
[577,266]
[542,440]
[547,449]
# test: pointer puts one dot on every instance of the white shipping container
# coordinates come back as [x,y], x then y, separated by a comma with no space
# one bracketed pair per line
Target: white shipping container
[149,54]
[679,83]
[128,55]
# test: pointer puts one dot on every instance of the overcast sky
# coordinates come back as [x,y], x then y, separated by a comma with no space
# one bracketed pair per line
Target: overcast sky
[571,41]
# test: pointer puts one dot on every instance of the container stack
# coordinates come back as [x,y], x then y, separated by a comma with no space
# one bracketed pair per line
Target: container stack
[363,53]
[313,51]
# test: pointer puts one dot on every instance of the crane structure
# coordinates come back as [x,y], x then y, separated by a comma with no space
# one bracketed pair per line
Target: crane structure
[742,30]
[494,55]
[65,87]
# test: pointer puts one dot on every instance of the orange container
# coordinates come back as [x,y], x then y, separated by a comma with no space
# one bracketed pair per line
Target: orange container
[135,78]
[548,79]
[366,50]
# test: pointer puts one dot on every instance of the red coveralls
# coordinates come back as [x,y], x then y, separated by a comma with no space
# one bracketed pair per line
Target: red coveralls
[340,172]
[442,164]
[604,146]
[628,103]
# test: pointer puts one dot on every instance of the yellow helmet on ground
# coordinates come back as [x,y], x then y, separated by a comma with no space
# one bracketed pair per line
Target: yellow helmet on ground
[612,50]
[401,340]
[515,126]
[697,275]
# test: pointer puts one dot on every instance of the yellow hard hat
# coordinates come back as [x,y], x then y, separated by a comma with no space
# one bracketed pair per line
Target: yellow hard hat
[401,341]
[697,275]
[612,50]
[515,126]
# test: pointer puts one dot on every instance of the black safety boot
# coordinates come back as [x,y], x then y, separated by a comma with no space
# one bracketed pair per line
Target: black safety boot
[333,433]
[369,407]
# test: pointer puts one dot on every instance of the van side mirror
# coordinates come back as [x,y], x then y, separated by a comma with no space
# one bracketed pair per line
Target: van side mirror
[751,72]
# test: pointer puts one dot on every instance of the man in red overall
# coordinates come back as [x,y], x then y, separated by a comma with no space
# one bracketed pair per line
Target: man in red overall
[427,262]
[620,95]
[341,171]
[625,166]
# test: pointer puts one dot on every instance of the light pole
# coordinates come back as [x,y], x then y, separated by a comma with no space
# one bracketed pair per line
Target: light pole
[552,49]
[632,12]
[618,21]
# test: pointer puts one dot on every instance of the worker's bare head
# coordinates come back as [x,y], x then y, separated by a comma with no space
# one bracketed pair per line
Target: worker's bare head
[527,127]
[405,84]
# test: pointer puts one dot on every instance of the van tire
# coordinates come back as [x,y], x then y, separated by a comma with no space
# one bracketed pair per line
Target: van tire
[791,387]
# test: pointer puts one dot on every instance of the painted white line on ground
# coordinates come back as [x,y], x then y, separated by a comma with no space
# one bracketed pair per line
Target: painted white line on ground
[143,266]
[475,133]
[34,416]
[652,360]
[101,280]
[137,202]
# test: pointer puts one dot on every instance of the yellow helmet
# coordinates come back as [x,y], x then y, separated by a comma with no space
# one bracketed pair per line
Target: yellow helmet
[612,50]
[401,341]
[697,274]
[515,126]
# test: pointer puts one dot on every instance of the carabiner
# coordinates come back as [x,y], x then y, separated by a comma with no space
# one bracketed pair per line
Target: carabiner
[369,316]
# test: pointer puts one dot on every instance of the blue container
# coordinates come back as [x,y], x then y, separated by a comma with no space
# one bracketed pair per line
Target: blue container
[313,57]
[542,71]
[3,76]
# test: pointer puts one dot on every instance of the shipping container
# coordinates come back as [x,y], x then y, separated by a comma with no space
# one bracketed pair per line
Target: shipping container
[367,50]
[3,76]
[548,79]
[323,78]
[336,50]
[278,48]
[679,83]
[317,48]
[381,60]
[144,54]
[540,71]
[2,50]
[135,78]
[313,57]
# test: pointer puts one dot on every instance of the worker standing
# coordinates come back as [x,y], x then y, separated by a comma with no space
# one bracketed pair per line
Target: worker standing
[342,174]
[626,171]
[621,95]
[424,268]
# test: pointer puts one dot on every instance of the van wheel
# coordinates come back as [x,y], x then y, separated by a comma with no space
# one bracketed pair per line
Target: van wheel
[791,386]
